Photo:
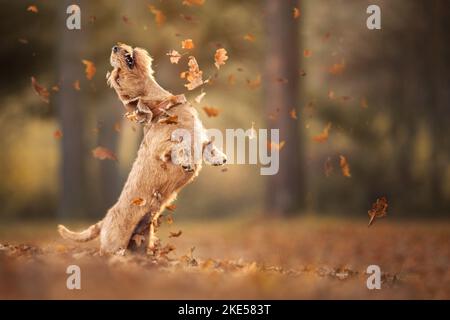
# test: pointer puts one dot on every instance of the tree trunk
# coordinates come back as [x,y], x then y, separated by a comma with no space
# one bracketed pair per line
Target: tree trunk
[285,192]
[70,114]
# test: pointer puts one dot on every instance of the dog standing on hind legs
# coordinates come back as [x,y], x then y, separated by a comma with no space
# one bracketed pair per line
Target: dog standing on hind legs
[172,130]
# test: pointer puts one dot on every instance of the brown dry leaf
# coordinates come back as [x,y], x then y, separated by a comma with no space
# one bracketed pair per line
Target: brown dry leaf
[171,119]
[379,209]
[328,166]
[323,136]
[171,207]
[187,44]
[76,85]
[125,19]
[231,80]
[139,202]
[302,73]
[169,219]
[296,13]
[200,97]
[276,146]
[194,75]
[174,56]
[57,134]
[138,239]
[103,153]
[33,8]
[160,18]
[175,234]
[337,68]
[41,91]
[249,37]
[55,88]
[220,57]
[254,84]
[307,53]
[191,3]
[293,114]
[363,103]
[211,111]
[345,167]
[90,69]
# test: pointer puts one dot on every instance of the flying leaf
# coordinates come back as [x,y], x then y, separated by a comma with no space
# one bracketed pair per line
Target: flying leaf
[187,44]
[276,146]
[200,97]
[191,3]
[193,75]
[175,234]
[337,68]
[293,114]
[307,53]
[103,153]
[363,103]
[254,84]
[33,8]
[249,37]
[171,207]
[252,134]
[211,111]
[296,13]
[55,88]
[138,202]
[57,134]
[160,18]
[220,57]
[90,69]
[76,85]
[323,136]
[174,56]
[345,167]
[41,91]
[169,219]
[379,209]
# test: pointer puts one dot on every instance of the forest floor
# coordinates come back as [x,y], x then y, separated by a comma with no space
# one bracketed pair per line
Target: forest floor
[303,258]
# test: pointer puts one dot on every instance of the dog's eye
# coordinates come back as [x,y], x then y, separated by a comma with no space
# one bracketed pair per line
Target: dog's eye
[129,60]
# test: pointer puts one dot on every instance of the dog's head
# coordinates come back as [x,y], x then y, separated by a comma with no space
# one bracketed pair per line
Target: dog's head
[130,65]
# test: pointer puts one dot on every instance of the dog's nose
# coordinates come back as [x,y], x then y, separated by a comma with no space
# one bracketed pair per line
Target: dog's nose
[224,161]
[115,49]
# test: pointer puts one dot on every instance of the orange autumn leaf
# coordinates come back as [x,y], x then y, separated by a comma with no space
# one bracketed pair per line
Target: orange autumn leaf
[211,111]
[323,136]
[175,234]
[254,84]
[171,207]
[193,75]
[57,134]
[296,12]
[41,91]
[76,85]
[220,57]
[174,56]
[90,69]
[293,114]
[345,167]
[363,103]
[33,8]
[169,219]
[160,18]
[307,53]
[103,153]
[187,44]
[249,37]
[276,146]
[139,202]
[379,209]
[337,68]
[55,88]
[191,3]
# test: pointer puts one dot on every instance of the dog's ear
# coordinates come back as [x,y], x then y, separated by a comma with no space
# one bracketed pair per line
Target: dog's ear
[142,60]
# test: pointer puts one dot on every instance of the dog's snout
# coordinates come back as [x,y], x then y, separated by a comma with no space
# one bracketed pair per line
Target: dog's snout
[115,49]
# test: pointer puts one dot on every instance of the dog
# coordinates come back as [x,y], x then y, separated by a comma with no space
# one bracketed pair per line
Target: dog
[165,162]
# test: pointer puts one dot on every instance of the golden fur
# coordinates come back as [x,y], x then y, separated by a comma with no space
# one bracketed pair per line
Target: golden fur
[153,177]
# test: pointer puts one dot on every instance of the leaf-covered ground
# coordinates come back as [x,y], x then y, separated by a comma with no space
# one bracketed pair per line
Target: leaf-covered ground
[294,259]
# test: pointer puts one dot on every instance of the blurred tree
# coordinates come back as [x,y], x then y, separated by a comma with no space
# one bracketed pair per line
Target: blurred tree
[70,111]
[285,191]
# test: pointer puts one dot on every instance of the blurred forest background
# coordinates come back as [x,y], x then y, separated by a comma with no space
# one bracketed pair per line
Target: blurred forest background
[384,92]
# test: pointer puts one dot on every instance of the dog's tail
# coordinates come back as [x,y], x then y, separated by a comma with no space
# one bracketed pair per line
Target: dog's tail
[86,235]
